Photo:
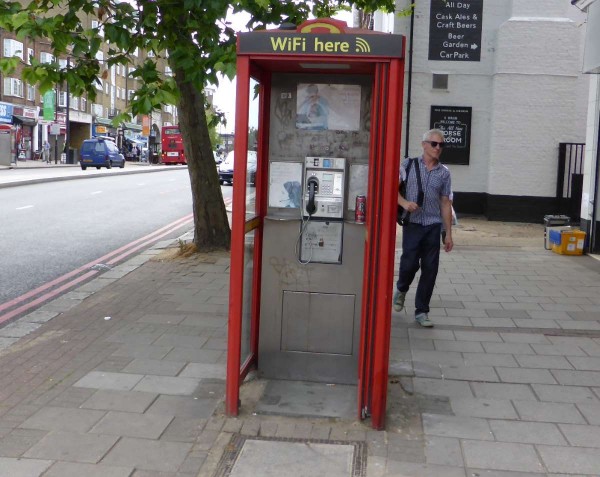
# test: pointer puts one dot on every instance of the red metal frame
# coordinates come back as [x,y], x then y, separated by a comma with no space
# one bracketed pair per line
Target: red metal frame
[236,276]
[386,122]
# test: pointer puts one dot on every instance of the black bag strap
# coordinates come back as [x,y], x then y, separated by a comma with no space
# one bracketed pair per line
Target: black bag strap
[418,171]
[419,185]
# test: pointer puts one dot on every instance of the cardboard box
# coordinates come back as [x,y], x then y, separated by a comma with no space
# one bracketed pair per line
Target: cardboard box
[572,242]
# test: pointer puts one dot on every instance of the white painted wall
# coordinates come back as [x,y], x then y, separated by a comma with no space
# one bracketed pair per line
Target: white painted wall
[527,93]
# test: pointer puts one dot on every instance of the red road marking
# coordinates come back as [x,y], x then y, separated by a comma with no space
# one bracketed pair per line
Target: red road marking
[112,257]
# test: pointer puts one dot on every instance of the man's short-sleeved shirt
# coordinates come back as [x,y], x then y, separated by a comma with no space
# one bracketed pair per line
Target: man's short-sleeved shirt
[436,184]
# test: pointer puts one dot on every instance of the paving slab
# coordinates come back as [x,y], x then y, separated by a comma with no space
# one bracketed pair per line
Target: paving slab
[127,401]
[145,454]
[183,406]
[502,456]
[570,460]
[73,447]
[72,469]
[581,436]
[63,419]
[527,432]
[463,427]
[107,380]
[568,394]
[147,426]
[23,467]
[485,408]
[548,412]
[171,385]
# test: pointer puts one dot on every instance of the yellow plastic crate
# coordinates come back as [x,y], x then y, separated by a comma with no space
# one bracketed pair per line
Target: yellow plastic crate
[571,243]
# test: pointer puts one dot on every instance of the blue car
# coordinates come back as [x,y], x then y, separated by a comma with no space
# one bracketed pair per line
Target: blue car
[100,152]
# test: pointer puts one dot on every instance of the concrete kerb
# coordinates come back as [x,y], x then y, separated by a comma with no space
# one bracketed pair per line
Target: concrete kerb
[87,176]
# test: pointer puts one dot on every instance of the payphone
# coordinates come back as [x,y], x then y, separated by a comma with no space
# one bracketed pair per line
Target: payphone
[324,182]
[322,227]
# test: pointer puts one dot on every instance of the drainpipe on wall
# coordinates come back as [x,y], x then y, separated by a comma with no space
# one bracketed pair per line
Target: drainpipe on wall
[409,83]
[592,231]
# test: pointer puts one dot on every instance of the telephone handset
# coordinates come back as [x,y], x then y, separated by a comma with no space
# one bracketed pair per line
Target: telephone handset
[324,186]
[312,184]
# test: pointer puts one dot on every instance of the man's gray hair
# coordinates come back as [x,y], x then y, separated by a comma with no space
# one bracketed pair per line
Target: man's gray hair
[431,132]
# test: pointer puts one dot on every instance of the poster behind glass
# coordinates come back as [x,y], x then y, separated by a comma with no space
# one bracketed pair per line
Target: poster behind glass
[328,106]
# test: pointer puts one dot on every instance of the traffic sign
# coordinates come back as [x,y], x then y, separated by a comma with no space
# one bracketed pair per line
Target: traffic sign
[455,30]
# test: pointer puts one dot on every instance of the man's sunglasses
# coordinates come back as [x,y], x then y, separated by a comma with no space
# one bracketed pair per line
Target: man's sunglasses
[435,144]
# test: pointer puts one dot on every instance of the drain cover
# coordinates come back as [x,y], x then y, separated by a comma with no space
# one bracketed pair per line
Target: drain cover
[249,456]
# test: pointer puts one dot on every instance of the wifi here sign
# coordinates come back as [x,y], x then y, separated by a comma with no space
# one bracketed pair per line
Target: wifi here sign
[321,44]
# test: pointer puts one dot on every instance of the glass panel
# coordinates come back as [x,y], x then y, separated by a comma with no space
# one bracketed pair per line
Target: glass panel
[247,297]
[252,146]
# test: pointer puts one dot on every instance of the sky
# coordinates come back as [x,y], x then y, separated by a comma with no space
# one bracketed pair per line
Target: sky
[224,97]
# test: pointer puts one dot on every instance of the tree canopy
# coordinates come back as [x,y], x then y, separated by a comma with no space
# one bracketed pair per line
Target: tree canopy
[194,37]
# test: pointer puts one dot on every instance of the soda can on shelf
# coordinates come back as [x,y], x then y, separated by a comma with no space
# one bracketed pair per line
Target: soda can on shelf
[360,209]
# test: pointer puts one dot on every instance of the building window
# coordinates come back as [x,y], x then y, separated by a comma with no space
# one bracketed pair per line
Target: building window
[99,84]
[30,54]
[62,99]
[440,81]
[83,104]
[13,48]
[130,94]
[168,71]
[96,24]
[74,102]
[135,52]
[150,54]
[13,87]
[105,88]
[30,92]
[97,110]
[46,57]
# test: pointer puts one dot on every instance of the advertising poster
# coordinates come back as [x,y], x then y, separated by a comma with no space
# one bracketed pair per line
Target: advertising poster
[455,121]
[328,106]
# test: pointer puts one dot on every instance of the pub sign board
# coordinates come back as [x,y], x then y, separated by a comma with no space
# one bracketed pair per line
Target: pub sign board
[455,30]
[455,121]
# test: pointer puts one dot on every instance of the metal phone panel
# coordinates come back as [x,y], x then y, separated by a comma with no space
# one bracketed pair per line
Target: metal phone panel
[317,323]
[321,242]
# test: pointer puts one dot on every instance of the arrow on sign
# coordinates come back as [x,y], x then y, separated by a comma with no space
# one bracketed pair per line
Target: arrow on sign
[474,46]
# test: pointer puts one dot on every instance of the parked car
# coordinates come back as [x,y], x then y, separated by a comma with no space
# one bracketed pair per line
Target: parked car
[100,152]
[226,168]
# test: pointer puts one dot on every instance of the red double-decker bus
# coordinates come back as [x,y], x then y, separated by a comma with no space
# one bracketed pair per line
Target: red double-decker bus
[172,146]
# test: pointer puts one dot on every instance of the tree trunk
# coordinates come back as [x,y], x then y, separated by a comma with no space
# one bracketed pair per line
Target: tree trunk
[212,231]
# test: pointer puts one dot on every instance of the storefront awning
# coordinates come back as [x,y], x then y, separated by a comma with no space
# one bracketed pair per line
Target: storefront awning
[104,121]
[132,126]
[23,120]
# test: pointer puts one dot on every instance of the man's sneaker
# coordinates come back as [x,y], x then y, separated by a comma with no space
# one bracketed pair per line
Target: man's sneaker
[399,298]
[423,320]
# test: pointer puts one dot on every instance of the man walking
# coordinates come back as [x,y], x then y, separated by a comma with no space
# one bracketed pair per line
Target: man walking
[421,235]
[46,151]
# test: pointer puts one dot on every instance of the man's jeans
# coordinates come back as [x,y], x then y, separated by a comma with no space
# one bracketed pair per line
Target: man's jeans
[420,248]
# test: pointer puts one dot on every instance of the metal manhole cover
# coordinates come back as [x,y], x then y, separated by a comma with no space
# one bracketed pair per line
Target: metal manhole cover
[249,456]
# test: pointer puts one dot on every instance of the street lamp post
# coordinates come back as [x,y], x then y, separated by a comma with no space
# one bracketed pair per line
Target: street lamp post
[68,121]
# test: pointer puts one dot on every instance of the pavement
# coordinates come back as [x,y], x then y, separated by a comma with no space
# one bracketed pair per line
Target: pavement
[125,375]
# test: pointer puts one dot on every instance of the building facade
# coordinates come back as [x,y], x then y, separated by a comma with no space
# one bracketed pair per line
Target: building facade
[590,203]
[503,79]
[73,119]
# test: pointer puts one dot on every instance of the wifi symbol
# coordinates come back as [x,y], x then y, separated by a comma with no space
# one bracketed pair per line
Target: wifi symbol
[362,46]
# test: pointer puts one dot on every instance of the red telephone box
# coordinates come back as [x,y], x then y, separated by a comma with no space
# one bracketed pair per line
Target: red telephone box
[310,285]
